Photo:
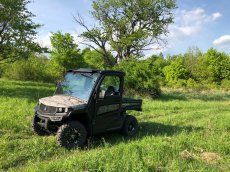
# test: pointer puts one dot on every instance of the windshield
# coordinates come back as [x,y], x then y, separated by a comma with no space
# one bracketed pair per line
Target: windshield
[78,85]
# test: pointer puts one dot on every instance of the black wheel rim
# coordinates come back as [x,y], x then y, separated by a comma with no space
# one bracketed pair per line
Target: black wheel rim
[131,128]
[73,136]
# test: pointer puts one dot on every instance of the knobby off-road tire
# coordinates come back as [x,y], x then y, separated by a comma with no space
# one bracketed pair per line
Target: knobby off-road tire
[130,126]
[36,128]
[72,135]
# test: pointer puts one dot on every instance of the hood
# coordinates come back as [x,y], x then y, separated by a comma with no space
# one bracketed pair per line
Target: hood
[61,101]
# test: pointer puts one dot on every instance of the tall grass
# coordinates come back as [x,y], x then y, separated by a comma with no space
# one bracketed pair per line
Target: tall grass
[175,131]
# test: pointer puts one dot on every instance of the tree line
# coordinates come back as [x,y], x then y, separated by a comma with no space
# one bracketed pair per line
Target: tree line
[192,70]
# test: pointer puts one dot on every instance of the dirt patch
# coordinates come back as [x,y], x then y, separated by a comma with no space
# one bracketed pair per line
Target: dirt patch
[210,157]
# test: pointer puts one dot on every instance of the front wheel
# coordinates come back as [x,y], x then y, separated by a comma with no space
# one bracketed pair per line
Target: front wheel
[71,135]
[130,126]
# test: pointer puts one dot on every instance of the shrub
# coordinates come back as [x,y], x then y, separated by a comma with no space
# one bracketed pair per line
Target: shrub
[140,76]
[179,83]
[225,84]
[32,69]
[219,64]
[176,73]
[192,84]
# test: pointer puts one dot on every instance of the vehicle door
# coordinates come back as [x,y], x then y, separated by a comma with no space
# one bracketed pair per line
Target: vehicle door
[108,104]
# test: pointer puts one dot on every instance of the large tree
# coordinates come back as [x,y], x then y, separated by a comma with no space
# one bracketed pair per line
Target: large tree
[93,59]
[127,27]
[65,52]
[17,31]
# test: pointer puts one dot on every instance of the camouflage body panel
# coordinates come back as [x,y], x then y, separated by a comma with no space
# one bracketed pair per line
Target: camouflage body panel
[61,101]
[49,107]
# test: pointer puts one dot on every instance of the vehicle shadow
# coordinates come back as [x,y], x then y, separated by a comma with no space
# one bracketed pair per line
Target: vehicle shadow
[153,128]
[146,129]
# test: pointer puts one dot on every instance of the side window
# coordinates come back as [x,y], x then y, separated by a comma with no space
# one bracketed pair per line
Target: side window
[110,86]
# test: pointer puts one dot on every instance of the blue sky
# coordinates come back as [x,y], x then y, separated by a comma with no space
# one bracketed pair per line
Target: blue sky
[201,23]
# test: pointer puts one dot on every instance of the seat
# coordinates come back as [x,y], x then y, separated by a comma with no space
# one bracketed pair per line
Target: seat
[110,91]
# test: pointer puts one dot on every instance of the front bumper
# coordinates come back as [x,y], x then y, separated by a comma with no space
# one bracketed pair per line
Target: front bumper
[55,117]
[50,123]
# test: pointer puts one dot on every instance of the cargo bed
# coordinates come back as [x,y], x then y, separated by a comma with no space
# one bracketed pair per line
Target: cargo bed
[131,104]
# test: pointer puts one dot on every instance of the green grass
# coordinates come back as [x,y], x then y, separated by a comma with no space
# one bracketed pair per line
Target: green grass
[170,126]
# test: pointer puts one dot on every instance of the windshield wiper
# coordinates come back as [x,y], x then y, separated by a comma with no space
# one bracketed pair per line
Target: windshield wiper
[86,76]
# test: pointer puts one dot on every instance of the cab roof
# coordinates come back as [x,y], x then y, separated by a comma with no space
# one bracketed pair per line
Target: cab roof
[89,70]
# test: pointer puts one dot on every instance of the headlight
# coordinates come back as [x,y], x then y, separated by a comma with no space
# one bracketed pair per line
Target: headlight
[61,110]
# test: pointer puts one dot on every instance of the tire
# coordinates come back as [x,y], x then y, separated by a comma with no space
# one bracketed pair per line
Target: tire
[71,135]
[130,126]
[36,128]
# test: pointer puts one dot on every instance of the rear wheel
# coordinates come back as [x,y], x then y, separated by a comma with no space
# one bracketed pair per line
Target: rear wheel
[38,129]
[71,135]
[130,126]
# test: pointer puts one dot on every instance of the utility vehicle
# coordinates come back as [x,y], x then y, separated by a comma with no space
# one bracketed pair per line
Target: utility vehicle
[85,103]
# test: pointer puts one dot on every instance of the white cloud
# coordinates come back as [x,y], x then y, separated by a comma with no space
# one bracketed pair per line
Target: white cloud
[222,41]
[159,49]
[216,15]
[44,40]
[195,16]
[77,39]
[189,23]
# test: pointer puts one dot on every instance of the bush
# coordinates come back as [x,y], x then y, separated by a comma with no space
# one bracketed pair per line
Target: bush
[192,84]
[176,73]
[140,76]
[179,83]
[225,84]
[218,64]
[32,69]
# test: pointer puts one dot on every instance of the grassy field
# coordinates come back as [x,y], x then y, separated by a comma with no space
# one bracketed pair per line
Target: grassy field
[180,131]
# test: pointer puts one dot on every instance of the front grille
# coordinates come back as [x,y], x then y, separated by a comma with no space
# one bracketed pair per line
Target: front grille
[47,109]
